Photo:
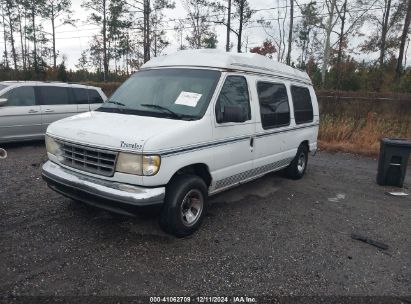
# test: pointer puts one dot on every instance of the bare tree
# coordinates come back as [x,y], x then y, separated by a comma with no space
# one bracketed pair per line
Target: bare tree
[201,33]
[383,36]
[306,30]
[33,13]
[57,11]
[290,32]
[276,33]
[11,9]
[342,15]
[152,27]
[404,36]
[20,8]
[227,45]
[99,16]
[386,16]
[328,29]
[5,54]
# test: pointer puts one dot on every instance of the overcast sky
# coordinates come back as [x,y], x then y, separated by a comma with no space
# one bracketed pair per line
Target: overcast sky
[71,41]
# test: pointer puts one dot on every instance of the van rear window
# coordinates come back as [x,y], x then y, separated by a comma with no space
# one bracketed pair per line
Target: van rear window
[303,108]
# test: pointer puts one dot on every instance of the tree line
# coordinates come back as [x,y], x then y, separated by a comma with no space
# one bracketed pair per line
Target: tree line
[330,39]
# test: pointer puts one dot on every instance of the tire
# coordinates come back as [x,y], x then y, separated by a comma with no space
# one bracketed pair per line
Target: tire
[297,168]
[184,206]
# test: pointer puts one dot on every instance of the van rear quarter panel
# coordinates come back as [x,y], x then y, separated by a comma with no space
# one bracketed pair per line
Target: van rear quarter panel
[280,144]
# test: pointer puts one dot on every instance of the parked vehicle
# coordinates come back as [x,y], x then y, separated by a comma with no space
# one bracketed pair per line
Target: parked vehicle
[28,107]
[186,126]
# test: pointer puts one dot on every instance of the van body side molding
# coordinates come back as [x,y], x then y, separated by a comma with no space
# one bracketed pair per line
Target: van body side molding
[211,144]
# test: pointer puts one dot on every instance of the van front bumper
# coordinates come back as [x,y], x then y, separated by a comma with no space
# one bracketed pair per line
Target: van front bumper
[112,196]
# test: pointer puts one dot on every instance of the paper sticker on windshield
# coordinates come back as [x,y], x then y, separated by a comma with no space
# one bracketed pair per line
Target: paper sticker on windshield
[188,99]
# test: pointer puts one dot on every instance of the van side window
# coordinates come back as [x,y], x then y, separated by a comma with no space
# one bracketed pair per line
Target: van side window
[94,96]
[52,95]
[80,96]
[234,96]
[303,108]
[274,107]
[20,97]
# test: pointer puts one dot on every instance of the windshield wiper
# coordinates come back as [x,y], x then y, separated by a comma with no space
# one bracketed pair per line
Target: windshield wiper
[154,106]
[116,103]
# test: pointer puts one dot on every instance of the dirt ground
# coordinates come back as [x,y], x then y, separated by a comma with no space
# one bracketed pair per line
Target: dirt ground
[273,236]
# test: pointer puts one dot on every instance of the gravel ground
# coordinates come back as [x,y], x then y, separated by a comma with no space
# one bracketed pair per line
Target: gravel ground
[273,236]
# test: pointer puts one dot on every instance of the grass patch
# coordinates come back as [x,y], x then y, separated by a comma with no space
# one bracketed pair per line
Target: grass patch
[362,135]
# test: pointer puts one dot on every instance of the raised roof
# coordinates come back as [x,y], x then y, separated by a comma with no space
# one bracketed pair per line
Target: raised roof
[250,62]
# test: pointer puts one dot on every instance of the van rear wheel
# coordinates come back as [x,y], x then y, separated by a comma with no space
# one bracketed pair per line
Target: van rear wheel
[184,206]
[297,167]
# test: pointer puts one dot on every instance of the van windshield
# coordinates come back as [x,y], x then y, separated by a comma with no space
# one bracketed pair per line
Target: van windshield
[174,93]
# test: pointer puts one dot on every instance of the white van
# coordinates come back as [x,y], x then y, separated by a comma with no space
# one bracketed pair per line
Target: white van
[186,126]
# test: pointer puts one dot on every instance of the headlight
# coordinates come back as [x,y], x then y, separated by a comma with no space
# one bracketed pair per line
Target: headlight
[52,145]
[129,163]
[138,164]
[151,164]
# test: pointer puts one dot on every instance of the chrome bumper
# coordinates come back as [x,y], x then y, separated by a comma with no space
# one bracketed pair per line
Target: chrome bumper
[101,193]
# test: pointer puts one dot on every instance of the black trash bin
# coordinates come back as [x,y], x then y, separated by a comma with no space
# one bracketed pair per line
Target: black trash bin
[393,161]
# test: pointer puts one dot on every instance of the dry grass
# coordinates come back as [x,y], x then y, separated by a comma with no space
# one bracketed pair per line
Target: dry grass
[361,135]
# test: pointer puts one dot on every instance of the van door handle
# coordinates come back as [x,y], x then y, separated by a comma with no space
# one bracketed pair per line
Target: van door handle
[33,111]
[48,110]
[251,142]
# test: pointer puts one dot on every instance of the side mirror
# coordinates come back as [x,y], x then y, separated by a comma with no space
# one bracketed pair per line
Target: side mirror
[234,114]
[3,101]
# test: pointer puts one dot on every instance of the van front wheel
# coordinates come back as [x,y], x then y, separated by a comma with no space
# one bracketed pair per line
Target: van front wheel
[297,168]
[185,205]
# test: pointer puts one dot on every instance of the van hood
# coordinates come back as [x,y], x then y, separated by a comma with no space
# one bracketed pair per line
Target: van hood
[112,130]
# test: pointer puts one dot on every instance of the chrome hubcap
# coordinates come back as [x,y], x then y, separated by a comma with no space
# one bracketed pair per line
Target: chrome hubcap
[301,163]
[192,207]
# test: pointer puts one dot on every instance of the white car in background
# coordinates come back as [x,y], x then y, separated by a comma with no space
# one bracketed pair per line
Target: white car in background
[28,107]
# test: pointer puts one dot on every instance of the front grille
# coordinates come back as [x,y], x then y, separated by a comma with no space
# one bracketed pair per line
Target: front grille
[88,159]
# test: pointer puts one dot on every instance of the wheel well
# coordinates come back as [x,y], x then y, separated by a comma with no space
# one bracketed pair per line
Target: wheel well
[200,170]
[305,142]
